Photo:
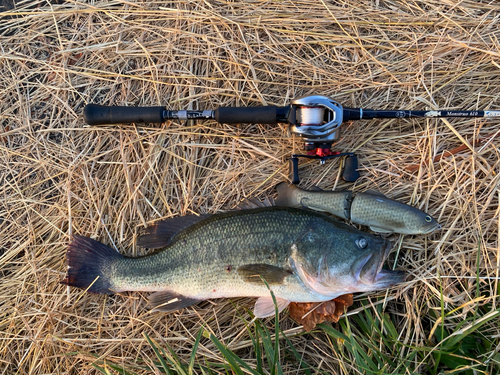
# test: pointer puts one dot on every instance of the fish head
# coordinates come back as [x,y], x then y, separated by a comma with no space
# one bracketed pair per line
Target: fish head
[352,263]
[419,222]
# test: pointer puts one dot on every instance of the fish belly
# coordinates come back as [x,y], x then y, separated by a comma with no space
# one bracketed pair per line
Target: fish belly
[205,281]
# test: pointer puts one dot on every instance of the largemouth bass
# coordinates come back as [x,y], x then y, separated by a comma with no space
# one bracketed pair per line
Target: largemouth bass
[371,208]
[304,256]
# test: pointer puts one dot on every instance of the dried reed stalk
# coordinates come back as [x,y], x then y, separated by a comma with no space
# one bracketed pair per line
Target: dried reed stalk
[58,177]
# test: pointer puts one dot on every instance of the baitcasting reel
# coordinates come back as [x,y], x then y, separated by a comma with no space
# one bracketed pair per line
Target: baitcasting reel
[316,119]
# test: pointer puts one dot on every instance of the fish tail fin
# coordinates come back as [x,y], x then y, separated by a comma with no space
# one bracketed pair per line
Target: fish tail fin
[88,264]
[287,195]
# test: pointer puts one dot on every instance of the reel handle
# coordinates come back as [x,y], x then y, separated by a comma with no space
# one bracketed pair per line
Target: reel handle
[294,167]
[350,171]
[95,114]
[349,167]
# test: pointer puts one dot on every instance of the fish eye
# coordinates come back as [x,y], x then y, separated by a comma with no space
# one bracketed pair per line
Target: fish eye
[428,218]
[361,242]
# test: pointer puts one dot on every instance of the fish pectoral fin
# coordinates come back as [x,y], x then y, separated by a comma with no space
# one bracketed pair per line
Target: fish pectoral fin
[161,233]
[380,230]
[167,301]
[252,273]
[264,306]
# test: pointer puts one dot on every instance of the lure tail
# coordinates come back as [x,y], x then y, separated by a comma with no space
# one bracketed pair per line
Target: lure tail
[287,195]
[89,265]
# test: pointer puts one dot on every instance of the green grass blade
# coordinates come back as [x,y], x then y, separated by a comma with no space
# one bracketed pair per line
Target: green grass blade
[273,353]
[195,349]
[257,346]
[455,338]
[305,366]
[101,369]
[234,361]
[166,368]
[120,369]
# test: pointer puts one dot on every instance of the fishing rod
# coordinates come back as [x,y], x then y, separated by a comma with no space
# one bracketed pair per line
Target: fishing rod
[316,119]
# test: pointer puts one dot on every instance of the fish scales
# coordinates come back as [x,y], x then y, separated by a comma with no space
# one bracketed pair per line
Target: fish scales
[303,255]
[197,262]
[371,208]
[205,257]
[334,202]
[368,209]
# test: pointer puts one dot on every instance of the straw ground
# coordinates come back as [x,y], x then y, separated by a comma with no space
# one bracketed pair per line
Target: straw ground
[58,177]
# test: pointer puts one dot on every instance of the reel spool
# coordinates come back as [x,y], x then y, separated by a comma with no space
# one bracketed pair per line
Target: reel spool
[317,120]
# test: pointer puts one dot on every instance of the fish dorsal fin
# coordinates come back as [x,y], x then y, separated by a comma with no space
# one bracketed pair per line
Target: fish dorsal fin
[375,192]
[264,306]
[161,233]
[316,188]
[252,273]
[251,203]
[169,301]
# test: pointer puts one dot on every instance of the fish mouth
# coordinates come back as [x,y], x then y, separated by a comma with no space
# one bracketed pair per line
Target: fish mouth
[432,228]
[437,227]
[371,272]
[388,278]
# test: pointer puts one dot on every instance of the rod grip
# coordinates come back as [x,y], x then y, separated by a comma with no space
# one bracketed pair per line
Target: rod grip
[95,114]
[255,115]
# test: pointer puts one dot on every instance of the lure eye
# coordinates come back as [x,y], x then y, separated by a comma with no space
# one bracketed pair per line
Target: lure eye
[428,218]
[361,242]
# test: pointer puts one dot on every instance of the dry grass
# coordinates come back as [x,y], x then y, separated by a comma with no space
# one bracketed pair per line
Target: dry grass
[58,177]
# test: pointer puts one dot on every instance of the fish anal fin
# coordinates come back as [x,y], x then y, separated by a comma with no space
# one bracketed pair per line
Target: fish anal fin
[161,233]
[167,301]
[264,306]
[273,275]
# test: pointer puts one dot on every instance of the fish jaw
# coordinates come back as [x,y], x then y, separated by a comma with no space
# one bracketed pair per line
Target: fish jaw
[387,279]
[371,276]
